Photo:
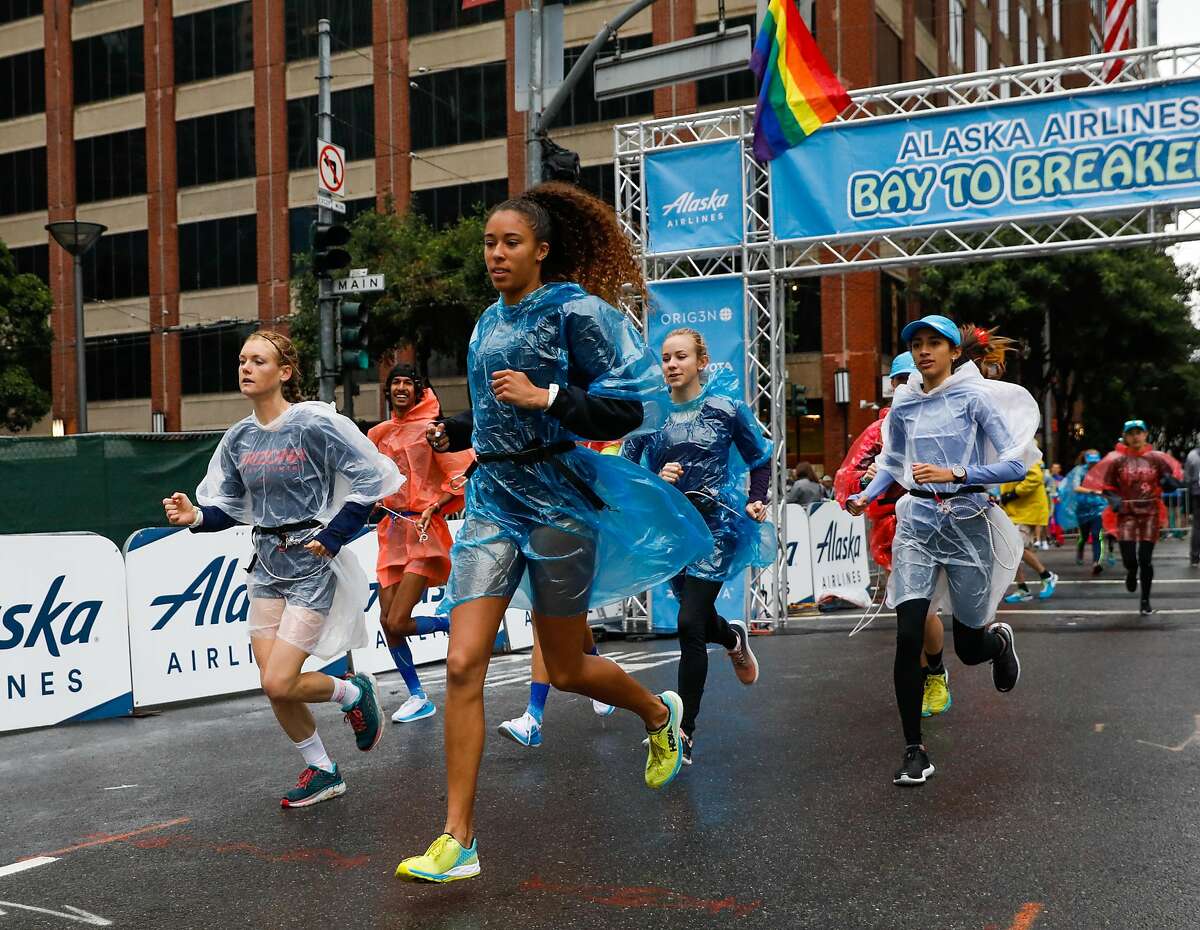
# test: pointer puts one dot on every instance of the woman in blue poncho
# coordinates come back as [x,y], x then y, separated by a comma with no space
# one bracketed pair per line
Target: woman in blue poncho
[709,441]
[551,526]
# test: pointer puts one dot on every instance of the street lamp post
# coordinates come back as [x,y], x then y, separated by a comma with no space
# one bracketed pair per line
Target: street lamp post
[841,397]
[78,238]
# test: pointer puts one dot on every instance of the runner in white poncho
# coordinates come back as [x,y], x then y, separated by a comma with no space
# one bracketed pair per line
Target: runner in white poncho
[306,479]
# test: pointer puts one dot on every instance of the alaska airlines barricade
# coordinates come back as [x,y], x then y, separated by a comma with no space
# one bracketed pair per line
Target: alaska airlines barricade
[64,641]
[838,545]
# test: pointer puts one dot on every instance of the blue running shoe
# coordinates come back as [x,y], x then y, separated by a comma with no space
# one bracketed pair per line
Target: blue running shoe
[1019,596]
[417,707]
[1048,587]
[524,731]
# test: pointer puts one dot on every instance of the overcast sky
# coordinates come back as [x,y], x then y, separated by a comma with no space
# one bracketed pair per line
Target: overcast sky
[1179,21]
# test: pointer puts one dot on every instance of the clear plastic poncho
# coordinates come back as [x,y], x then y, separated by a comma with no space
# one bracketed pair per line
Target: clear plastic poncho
[967,543]
[646,532]
[1077,508]
[717,440]
[303,465]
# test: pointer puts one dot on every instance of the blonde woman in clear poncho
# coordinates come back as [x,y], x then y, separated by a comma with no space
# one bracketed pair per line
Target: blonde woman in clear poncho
[306,479]
[947,436]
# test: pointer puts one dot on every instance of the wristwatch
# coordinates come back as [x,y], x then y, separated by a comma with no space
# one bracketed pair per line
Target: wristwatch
[959,473]
[552,390]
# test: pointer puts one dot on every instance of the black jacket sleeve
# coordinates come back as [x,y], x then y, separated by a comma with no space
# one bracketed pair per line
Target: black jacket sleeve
[458,430]
[595,417]
[345,523]
[760,483]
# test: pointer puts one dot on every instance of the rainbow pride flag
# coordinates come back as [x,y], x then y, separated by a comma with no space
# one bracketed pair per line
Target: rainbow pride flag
[798,91]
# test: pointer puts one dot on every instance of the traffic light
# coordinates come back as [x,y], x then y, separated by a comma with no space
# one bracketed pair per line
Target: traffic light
[798,400]
[353,316]
[558,163]
[327,238]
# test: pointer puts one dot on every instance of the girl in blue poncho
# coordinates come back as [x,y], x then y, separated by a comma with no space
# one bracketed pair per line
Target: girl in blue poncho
[709,441]
[550,526]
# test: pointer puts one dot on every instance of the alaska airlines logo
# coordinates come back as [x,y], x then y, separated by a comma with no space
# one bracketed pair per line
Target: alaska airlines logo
[835,547]
[211,588]
[689,210]
[76,624]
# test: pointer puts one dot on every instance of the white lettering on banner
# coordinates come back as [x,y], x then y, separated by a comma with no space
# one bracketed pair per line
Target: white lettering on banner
[64,649]
[689,210]
[838,552]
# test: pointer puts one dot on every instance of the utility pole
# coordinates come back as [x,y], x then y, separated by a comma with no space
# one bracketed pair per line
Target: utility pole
[325,299]
[533,145]
[1047,398]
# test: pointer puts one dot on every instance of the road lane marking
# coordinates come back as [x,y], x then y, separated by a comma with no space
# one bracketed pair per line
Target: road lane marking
[1194,738]
[77,914]
[26,864]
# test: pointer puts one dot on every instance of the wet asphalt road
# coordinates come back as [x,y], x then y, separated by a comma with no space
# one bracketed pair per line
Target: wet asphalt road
[1070,803]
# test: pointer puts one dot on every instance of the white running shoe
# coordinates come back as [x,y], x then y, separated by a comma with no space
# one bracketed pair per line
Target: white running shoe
[602,709]
[417,707]
[524,731]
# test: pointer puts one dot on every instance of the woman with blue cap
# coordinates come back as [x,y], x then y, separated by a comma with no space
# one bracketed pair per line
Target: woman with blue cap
[946,438]
[550,526]
[708,447]
[1083,508]
[856,472]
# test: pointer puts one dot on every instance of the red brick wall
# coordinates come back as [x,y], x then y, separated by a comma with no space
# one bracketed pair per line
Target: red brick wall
[60,159]
[393,132]
[270,154]
[671,20]
[516,121]
[161,210]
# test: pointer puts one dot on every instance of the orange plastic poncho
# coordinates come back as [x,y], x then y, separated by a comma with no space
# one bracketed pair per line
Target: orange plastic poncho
[430,474]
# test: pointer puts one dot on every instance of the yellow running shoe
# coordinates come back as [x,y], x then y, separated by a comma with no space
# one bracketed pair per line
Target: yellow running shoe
[444,861]
[937,698]
[666,751]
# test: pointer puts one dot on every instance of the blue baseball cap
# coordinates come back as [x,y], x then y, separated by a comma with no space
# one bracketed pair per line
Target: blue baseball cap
[903,364]
[938,323]
[1092,457]
[1134,424]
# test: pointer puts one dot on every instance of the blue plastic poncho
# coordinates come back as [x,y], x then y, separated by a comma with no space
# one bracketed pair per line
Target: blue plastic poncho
[1076,508]
[717,440]
[303,465]
[963,541]
[645,533]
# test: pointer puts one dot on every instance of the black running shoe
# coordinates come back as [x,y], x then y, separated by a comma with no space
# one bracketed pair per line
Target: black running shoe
[1006,667]
[1131,580]
[916,767]
[1145,608]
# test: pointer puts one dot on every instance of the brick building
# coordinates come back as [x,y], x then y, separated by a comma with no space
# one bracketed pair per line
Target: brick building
[187,127]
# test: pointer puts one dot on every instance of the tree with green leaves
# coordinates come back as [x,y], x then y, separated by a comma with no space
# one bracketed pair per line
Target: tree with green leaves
[437,286]
[25,343]
[1122,340]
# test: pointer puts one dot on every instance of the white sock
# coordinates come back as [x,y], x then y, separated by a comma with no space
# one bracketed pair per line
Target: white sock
[345,692]
[314,752]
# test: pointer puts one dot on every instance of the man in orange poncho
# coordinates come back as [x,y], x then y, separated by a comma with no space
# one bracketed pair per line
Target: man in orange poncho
[414,541]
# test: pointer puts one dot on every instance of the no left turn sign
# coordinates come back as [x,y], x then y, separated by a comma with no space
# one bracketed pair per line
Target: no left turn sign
[331,167]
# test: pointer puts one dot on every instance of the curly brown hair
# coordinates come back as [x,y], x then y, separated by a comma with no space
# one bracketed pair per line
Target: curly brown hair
[586,243]
[286,350]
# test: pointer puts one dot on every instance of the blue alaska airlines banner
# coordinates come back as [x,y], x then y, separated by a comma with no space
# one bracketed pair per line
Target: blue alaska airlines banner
[1108,149]
[694,197]
[715,308]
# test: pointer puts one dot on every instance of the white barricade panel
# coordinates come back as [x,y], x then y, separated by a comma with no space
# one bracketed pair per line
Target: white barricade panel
[799,558]
[64,631]
[187,615]
[838,543]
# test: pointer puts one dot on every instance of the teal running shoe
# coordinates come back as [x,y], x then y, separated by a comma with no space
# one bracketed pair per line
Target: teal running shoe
[314,786]
[365,715]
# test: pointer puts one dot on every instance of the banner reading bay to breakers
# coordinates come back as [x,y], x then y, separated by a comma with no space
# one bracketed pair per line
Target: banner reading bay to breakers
[1108,149]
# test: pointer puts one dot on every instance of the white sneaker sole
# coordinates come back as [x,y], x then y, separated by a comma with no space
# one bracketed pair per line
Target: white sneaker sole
[427,711]
[749,652]
[905,780]
[333,791]
[459,871]
[512,735]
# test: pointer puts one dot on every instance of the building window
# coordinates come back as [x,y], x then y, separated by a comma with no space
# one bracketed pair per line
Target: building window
[444,206]
[109,65]
[214,42]
[353,127]
[349,21]
[218,253]
[12,10]
[1056,19]
[300,220]
[726,88]
[208,357]
[426,16]
[926,11]
[599,180]
[25,188]
[1002,14]
[110,166]
[32,259]
[1041,49]
[887,54]
[583,107]
[957,18]
[23,84]
[802,314]
[217,147]
[117,267]
[118,367]
[461,105]
[983,51]
[1023,35]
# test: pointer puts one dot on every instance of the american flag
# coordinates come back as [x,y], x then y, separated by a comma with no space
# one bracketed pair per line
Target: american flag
[1118,33]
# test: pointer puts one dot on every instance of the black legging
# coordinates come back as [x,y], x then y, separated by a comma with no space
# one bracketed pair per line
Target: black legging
[699,625]
[1137,555]
[972,647]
